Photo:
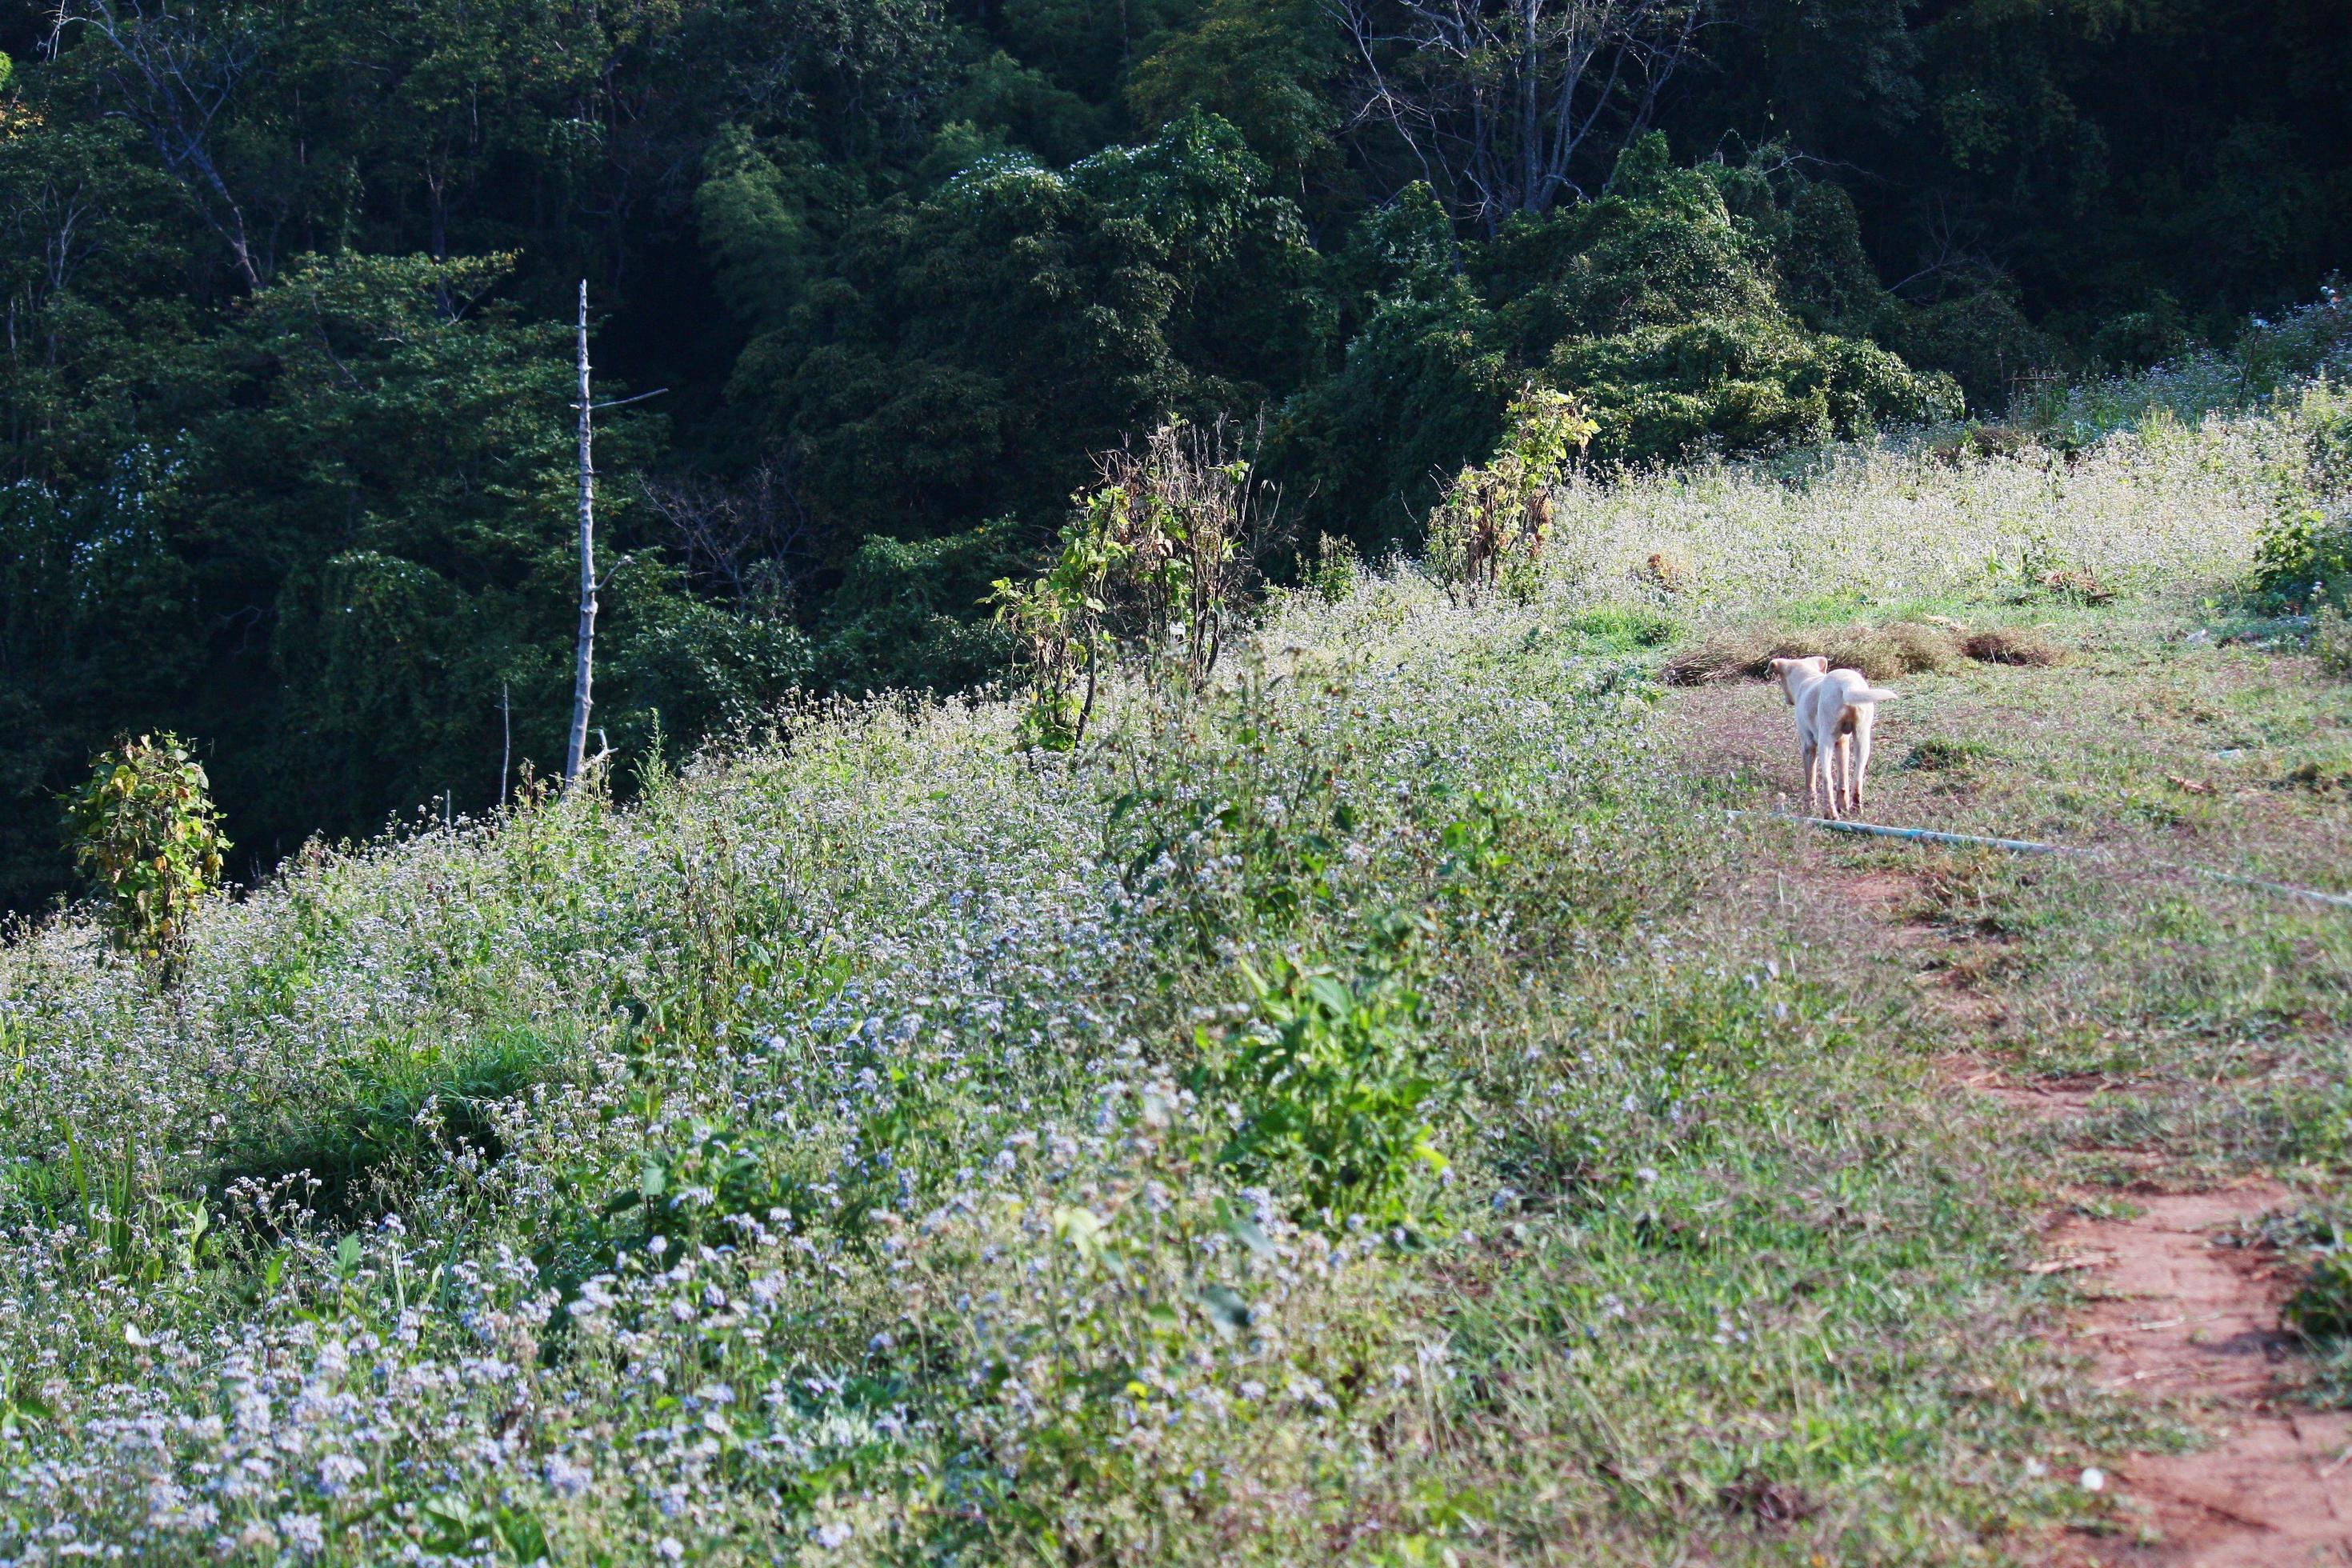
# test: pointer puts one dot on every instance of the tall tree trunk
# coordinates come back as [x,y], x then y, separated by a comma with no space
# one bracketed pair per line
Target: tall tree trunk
[584,664]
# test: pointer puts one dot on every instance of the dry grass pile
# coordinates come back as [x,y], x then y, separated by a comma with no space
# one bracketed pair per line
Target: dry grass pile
[1881,653]
[2014,645]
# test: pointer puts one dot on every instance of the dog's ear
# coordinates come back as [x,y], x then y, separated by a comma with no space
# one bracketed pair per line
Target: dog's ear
[1778,665]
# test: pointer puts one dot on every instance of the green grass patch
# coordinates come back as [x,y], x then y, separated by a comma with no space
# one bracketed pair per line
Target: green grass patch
[402,1112]
[1626,628]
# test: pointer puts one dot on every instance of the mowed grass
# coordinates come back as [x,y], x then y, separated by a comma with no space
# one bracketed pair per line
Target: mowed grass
[864,1148]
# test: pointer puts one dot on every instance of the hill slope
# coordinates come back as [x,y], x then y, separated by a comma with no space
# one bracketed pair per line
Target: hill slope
[1383,1109]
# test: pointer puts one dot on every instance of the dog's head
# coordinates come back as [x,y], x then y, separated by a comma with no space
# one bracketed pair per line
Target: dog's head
[1792,674]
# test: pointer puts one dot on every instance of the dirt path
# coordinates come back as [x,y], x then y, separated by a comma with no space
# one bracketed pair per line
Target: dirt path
[2169,1313]
[2174,1316]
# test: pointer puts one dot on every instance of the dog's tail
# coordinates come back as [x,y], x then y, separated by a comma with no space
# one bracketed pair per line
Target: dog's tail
[1873,694]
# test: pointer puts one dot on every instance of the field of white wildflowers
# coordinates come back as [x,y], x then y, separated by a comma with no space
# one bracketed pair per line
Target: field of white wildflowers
[886,1144]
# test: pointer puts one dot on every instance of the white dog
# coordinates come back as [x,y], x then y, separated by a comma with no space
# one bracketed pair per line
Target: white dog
[1832,706]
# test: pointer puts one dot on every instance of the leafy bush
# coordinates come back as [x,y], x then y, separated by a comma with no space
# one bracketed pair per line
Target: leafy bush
[705,1186]
[1333,1084]
[1743,384]
[2136,339]
[683,667]
[1337,570]
[2331,641]
[2305,551]
[911,613]
[1056,622]
[1976,334]
[1489,532]
[145,828]
[2311,340]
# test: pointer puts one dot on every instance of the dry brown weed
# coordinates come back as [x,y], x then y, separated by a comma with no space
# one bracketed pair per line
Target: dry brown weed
[1881,653]
[2014,645]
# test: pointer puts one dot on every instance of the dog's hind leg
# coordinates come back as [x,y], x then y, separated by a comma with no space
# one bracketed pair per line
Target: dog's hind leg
[1845,770]
[1861,763]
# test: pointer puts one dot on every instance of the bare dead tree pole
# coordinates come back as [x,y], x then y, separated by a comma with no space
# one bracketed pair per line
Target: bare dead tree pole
[584,660]
[584,664]
[506,743]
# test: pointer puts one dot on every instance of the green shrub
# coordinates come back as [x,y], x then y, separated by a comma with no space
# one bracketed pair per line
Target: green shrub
[1741,384]
[1337,571]
[2305,555]
[908,613]
[1332,1082]
[2304,341]
[2134,339]
[683,668]
[1154,562]
[695,1188]
[145,828]
[1490,529]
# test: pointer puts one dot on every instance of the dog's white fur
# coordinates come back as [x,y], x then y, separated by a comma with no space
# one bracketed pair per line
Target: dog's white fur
[1834,707]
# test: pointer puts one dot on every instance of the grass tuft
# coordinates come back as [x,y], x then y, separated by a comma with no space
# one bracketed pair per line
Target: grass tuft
[1945,753]
[2026,646]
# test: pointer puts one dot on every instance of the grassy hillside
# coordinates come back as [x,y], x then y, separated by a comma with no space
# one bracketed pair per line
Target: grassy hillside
[1384,1111]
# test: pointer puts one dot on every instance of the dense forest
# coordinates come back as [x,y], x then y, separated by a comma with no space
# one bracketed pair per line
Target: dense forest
[289,284]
